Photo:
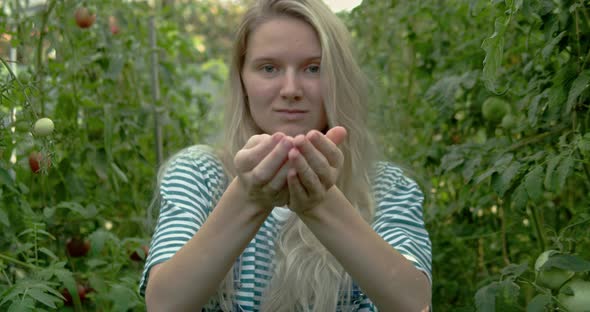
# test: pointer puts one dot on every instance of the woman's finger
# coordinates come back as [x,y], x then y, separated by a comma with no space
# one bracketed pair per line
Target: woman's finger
[318,163]
[326,147]
[297,193]
[337,134]
[260,146]
[279,181]
[307,176]
[270,165]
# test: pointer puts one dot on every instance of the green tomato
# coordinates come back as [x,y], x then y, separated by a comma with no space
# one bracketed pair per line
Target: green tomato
[508,121]
[575,295]
[43,127]
[494,109]
[552,278]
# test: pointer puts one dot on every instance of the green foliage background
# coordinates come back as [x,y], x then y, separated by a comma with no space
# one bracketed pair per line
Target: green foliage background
[499,192]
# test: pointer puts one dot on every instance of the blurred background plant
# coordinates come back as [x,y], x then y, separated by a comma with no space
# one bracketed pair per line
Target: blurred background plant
[485,103]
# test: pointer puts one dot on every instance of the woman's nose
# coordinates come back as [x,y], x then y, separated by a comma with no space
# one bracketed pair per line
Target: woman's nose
[291,88]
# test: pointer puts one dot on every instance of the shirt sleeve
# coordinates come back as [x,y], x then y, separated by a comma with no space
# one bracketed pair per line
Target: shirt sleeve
[399,216]
[192,182]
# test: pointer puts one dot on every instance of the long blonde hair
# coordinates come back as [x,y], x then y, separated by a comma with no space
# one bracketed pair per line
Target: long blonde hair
[305,274]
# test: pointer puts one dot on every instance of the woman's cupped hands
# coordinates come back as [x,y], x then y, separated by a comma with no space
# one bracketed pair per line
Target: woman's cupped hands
[278,170]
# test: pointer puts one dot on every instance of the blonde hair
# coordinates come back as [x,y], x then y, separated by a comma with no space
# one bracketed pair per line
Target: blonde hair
[305,274]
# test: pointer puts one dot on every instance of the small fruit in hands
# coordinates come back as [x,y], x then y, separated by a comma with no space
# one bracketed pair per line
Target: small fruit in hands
[553,277]
[575,295]
[43,127]
[136,256]
[36,161]
[77,247]
[82,291]
[84,18]
[494,109]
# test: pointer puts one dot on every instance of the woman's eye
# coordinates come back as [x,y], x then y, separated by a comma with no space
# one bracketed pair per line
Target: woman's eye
[268,68]
[313,69]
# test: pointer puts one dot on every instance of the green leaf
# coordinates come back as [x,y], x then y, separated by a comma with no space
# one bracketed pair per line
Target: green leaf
[539,303]
[67,279]
[533,182]
[567,262]
[534,107]
[87,212]
[485,297]
[98,240]
[4,218]
[564,171]
[550,181]
[25,305]
[494,47]
[469,168]
[507,299]
[515,270]
[6,179]
[548,49]
[44,298]
[520,197]
[119,172]
[48,252]
[578,86]
[451,160]
[502,182]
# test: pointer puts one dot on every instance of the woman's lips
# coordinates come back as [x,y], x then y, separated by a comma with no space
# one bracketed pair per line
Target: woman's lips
[291,114]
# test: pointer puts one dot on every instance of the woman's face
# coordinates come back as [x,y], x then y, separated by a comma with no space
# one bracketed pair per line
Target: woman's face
[281,76]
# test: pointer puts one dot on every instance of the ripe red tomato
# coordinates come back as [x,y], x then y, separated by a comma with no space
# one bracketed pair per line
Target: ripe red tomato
[82,291]
[36,159]
[84,18]
[135,256]
[77,247]
[114,25]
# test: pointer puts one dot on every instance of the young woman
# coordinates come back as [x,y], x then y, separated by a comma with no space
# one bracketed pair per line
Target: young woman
[292,213]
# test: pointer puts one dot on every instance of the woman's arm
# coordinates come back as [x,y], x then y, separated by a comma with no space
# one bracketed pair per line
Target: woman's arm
[191,277]
[386,276]
[390,280]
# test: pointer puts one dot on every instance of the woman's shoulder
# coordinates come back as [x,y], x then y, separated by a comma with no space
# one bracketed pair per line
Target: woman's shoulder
[389,177]
[198,159]
[200,154]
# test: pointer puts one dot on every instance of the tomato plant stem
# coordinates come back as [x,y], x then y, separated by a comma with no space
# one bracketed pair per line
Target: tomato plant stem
[538,228]
[503,233]
[40,53]
[13,260]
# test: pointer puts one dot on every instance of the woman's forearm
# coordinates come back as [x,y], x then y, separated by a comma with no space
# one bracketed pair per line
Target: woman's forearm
[191,277]
[387,277]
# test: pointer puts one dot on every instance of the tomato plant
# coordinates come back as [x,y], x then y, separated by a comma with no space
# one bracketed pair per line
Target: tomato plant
[77,156]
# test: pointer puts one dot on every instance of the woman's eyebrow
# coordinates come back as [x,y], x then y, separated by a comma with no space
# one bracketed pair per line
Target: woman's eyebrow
[271,59]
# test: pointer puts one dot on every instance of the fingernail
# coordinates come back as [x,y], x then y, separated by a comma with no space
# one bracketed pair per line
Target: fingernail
[313,135]
[277,137]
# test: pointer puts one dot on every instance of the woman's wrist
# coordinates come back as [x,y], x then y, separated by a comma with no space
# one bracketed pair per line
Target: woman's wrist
[256,206]
[320,209]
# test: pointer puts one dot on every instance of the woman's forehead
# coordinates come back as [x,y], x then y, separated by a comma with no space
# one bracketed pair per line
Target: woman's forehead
[284,36]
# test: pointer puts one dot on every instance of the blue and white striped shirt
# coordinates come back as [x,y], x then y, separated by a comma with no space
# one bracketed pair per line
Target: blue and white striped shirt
[195,180]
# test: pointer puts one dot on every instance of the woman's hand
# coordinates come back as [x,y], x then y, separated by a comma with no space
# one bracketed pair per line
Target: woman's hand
[315,163]
[262,168]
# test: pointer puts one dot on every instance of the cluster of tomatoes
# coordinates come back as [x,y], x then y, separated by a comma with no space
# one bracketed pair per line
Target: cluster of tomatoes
[77,247]
[85,18]
[573,292]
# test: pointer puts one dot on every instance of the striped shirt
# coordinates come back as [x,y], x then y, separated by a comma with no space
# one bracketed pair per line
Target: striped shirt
[193,182]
